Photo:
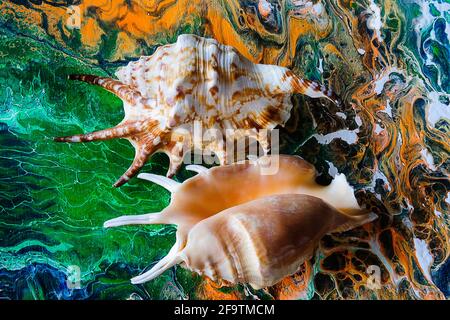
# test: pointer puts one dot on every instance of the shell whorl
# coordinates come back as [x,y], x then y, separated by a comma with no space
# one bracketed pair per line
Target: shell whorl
[197,82]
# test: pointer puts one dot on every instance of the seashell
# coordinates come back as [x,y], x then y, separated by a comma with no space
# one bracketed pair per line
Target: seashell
[196,83]
[236,223]
[259,242]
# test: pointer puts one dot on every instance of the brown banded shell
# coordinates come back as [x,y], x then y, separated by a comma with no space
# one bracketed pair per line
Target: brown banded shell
[196,83]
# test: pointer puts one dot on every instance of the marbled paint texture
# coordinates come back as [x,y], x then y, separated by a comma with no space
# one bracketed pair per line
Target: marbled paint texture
[388,61]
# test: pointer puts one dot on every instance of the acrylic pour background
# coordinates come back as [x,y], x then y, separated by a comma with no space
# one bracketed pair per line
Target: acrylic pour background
[388,60]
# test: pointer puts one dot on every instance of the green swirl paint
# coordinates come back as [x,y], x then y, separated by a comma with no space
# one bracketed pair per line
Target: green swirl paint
[388,61]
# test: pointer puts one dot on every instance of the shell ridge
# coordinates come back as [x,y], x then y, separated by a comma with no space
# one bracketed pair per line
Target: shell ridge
[233,263]
[245,272]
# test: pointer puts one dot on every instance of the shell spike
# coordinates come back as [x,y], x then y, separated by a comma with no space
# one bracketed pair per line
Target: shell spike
[177,247]
[149,218]
[346,222]
[139,160]
[164,182]
[175,164]
[119,131]
[173,258]
[196,168]
[313,89]
[123,91]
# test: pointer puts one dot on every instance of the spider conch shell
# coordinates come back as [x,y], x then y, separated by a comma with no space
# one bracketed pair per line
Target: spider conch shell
[197,83]
[203,201]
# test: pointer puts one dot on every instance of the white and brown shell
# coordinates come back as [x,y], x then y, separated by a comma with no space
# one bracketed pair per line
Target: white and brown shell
[196,81]
[238,224]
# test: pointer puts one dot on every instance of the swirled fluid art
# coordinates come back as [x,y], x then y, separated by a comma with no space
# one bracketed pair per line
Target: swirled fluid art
[387,60]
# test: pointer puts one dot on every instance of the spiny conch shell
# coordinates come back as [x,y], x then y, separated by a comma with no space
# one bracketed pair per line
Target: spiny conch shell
[196,80]
[236,222]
